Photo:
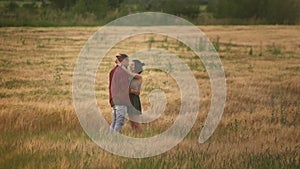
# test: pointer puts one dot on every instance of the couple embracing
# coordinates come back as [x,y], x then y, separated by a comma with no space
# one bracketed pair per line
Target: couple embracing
[124,91]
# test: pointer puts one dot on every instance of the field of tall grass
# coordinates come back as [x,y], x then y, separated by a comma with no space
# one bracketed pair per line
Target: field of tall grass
[260,127]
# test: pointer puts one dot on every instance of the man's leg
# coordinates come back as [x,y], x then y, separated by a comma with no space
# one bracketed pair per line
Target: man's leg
[113,123]
[120,117]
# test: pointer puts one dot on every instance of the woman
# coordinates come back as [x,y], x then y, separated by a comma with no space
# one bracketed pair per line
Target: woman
[135,111]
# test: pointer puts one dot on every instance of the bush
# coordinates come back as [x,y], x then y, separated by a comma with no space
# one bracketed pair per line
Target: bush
[12,7]
[272,11]
[97,7]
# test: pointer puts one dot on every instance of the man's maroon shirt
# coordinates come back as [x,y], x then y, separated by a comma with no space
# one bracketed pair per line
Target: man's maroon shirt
[119,87]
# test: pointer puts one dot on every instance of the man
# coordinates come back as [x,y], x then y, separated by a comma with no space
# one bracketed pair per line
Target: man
[119,92]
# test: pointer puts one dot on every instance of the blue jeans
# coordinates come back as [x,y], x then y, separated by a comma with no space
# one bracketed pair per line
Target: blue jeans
[119,114]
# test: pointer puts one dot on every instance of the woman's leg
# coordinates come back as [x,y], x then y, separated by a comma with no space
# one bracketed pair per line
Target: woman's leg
[134,122]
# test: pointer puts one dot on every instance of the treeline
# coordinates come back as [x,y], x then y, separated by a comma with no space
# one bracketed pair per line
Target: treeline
[265,11]
[88,12]
[100,12]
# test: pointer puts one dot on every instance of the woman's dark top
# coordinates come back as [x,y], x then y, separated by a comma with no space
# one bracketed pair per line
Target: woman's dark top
[135,99]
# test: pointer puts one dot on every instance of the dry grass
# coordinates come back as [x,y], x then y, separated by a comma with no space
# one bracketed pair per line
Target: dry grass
[259,128]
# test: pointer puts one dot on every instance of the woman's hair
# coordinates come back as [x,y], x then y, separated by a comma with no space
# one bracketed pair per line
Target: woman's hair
[138,66]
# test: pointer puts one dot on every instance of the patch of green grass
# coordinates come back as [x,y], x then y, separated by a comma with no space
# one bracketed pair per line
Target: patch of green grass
[4,95]
[28,62]
[178,160]
[250,67]
[294,68]
[274,49]
[194,65]
[58,74]
[18,83]
[251,51]
[150,42]
[228,46]
[288,159]
[216,44]
[260,49]
[280,101]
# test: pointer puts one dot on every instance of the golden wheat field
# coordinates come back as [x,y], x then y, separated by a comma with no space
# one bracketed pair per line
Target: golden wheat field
[260,126]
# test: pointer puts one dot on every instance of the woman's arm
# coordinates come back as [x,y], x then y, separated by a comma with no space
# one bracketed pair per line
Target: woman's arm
[135,91]
[134,75]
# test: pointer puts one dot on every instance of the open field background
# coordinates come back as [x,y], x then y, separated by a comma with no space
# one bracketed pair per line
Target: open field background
[259,128]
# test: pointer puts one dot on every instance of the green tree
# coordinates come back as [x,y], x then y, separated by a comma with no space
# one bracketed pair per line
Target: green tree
[113,4]
[189,8]
[273,11]
[12,7]
[63,4]
[283,12]
[97,7]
